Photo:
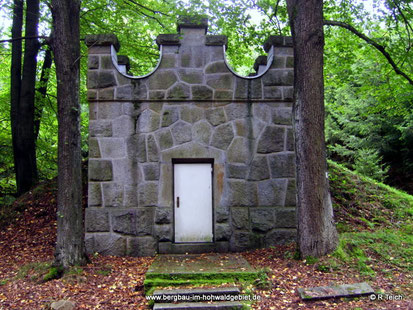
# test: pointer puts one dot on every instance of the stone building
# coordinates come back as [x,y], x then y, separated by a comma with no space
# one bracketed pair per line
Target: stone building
[191,157]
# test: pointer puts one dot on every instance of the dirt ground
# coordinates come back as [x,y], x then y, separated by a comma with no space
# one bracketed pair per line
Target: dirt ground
[117,282]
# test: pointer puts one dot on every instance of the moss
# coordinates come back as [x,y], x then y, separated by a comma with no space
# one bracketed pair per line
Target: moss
[310,260]
[4,282]
[54,273]
[198,279]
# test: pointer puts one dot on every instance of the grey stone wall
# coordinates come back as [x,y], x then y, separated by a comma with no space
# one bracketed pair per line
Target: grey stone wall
[192,106]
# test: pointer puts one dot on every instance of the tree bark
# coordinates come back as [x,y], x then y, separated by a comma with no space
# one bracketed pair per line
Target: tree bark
[26,167]
[44,79]
[15,77]
[70,249]
[317,234]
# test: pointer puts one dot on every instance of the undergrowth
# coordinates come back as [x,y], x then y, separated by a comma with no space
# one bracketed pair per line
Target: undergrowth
[374,221]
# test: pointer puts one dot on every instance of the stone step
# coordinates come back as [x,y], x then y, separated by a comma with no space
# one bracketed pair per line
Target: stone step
[193,248]
[229,305]
[196,294]
[191,269]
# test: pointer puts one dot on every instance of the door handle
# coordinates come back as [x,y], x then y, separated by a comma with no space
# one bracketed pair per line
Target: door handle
[177,202]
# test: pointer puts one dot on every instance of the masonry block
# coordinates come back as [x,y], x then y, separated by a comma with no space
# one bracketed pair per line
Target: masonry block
[181,132]
[272,192]
[112,194]
[100,170]
[97,220]
[222,136]
[216,116]
[271,140]
[109,244]
[142,246]
[201,132]
[282,165]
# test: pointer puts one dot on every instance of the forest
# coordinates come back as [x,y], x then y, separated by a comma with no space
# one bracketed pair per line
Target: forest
[367,71]
[368,126]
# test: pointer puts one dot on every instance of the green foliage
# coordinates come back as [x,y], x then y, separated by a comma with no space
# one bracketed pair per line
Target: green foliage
[262,282]
[363,249]
[368,162]
[310,260]
[37,271]
[4,281]
[350,251]
[45,271]
[140,22]
[374,221]
[323,268]
[53,273]
[105,271]
[136,23]
[7,182]
[362,203]
[369,123]
[368,106]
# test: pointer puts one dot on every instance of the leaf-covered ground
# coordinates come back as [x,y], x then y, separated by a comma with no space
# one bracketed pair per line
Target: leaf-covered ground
[27,244]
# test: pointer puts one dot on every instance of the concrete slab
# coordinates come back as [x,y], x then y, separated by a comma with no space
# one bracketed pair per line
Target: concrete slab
[335,291]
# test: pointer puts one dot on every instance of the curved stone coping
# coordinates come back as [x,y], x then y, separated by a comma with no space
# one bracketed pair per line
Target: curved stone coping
[113,53]
[114,56]
[270,59]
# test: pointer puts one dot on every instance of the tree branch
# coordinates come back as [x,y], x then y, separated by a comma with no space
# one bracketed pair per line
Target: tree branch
[406,22]
[130,2]
[146,8]
[24,38]
[92,10]
[379,47]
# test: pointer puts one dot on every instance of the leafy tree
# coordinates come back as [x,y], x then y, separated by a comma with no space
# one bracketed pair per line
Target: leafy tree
[140,21]
[70,248]
[23,79]
[317,234]
[368,104]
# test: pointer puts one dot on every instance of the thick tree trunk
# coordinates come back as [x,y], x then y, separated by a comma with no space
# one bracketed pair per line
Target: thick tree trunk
[26,175]
[15,80]
[317,234]
[70,249]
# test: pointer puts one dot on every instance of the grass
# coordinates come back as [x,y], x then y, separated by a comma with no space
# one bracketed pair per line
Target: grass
[4,281]
[374,222]
[105,270]
[37,272]
[41,272]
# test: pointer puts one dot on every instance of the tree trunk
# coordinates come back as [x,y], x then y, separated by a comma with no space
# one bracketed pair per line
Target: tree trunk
[26,175]
[15,80]
[70,249]
[317,234]
[44,79]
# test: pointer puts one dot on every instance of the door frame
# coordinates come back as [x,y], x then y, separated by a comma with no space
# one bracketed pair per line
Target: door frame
[193,161]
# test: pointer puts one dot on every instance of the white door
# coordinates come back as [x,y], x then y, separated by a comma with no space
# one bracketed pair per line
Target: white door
[193,202]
